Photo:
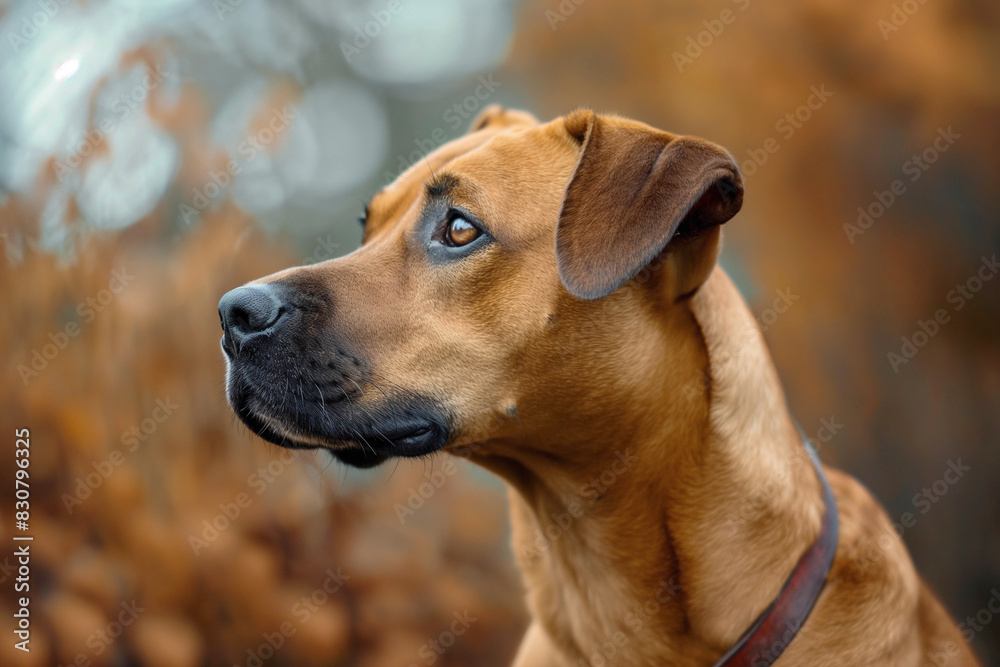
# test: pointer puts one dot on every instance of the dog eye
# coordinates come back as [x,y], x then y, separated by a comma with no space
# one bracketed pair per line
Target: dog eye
[459,232]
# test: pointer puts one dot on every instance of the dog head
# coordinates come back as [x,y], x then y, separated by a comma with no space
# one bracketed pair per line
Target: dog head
[502,283]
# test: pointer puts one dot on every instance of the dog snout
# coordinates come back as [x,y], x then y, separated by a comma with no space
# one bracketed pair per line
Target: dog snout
[249,311]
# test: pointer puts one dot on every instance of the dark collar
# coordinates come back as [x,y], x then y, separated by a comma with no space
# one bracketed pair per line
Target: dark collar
[775,628]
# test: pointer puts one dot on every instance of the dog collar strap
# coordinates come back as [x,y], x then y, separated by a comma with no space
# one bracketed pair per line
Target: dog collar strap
[775,628]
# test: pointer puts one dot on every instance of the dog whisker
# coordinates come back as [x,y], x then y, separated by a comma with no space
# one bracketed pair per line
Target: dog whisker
[389,478]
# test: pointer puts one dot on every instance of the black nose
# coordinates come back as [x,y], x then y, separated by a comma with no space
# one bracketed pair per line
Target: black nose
[248,311]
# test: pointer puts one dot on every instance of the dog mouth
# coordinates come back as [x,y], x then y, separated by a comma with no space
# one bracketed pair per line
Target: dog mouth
[406,426]
[297,384]
[421,440]
[266,429]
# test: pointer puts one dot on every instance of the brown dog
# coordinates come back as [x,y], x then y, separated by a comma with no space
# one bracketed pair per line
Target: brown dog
[547,296]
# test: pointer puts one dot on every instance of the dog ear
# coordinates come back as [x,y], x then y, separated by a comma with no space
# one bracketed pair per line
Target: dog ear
[495,116]
[633,191]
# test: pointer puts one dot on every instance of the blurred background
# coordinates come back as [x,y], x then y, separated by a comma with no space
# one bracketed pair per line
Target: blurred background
[155,154]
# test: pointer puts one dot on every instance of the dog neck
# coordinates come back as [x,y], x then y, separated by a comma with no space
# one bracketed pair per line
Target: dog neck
[668,533]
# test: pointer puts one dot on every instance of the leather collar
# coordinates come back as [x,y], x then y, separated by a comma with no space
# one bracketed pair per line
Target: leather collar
[774,629]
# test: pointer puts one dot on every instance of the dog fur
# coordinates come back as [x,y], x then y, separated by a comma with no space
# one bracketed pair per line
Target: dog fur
[593,355]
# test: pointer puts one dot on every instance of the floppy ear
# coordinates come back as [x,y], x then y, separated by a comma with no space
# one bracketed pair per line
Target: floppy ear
[634,190]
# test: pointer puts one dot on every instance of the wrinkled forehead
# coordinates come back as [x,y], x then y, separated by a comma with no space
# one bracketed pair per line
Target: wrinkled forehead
[492,172]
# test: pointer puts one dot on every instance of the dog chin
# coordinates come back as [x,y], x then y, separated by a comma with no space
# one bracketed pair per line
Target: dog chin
[401,437]
[347,452]
[407,428]
[359,457]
